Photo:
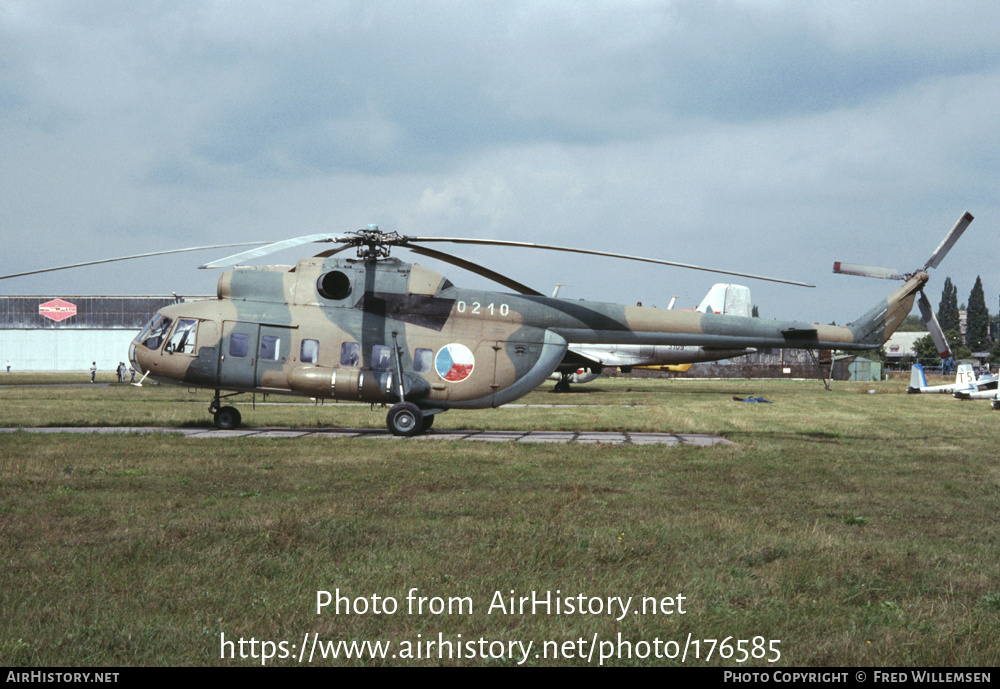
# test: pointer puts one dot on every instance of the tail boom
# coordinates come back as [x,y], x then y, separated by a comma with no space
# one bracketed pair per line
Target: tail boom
[877,326]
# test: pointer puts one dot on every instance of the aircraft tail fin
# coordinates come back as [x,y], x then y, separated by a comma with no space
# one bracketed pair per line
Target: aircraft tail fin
[965,375]
[732,300]
[917,379]
[878,325]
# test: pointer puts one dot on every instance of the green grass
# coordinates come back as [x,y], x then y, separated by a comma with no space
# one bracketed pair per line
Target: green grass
[859,529]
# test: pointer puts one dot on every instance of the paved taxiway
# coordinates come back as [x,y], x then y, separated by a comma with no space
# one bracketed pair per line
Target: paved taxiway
[609,438]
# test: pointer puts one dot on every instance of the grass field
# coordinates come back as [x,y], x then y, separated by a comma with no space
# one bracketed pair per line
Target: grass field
[843,528]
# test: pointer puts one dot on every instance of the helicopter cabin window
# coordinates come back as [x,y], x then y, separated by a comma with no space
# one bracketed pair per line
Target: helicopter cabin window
[422,359]
[349,354]
[380,358]
[183,339]
[270,348]
[152,336]
[239,345]
[310,351]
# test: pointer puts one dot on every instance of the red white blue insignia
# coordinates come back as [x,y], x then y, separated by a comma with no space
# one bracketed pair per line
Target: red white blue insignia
[454,362]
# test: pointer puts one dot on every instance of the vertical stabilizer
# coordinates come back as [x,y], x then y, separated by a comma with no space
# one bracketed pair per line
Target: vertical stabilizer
[917,379]
[731,300]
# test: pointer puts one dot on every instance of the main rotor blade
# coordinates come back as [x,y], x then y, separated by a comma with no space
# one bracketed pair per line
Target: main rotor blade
[867,271]
[931,321]
[475,268]
[270,248]
[330,252]
[129,258]
[528,245]
[949,241]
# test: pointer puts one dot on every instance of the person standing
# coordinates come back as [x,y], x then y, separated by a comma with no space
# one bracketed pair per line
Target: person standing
[93,371]
[8,365]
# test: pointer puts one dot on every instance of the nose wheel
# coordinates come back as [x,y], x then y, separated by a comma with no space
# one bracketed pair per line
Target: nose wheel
[228,418]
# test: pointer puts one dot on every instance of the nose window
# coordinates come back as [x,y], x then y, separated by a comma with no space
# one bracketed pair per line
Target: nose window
[152,337]
[183,339]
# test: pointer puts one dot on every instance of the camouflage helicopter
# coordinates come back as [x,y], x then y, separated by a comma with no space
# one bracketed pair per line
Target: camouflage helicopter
[376,329]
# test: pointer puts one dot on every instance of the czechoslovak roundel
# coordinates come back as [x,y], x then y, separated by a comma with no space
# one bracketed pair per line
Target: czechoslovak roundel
[454,362]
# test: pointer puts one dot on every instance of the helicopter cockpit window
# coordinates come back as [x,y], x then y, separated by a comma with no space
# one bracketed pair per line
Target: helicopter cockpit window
[422,359]
[239,345]
[310,351]
[380,358]
[152,336]
[350,353]
[183,339]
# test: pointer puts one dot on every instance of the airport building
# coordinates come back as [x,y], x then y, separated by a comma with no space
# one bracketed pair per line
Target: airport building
[69,333]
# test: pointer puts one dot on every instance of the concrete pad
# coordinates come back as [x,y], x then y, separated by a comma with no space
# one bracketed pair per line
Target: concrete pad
[704,440]
[610,438]
[654,439]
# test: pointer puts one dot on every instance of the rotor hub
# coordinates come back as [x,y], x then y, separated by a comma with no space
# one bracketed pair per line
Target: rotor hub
[372,243]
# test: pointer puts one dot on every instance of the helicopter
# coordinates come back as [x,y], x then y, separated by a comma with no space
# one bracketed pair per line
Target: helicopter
[376,329]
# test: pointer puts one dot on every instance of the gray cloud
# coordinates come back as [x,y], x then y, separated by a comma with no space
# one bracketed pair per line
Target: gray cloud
[774,137]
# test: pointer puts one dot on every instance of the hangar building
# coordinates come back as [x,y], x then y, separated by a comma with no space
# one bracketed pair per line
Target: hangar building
[68,333]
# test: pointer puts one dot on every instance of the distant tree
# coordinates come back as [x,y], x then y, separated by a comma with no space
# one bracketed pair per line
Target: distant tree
[994,356]
[977,331]
[927,351]
[947,314]
[912,324]
[876,355]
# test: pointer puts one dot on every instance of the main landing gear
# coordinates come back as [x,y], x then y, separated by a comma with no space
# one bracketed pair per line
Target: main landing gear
[407,419]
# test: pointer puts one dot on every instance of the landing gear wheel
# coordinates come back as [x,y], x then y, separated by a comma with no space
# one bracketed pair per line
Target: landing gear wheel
[405,419]
[428,422]
[562,385]
[228,418]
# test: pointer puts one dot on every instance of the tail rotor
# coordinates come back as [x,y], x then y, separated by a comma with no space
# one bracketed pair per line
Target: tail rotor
[926,312]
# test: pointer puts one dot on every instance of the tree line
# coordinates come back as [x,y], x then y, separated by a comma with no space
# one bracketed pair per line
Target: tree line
[977,328]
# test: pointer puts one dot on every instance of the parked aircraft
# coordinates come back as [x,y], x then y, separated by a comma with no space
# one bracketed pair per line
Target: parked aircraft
[966,386]
[589,360]
[379,330]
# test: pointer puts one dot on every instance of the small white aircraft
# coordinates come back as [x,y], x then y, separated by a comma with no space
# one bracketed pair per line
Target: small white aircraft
[966,385]
[591,359]
[986,389]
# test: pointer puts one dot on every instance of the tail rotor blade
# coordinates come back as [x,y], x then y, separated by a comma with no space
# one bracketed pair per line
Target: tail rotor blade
[931,321]
[949,241]
[867,271]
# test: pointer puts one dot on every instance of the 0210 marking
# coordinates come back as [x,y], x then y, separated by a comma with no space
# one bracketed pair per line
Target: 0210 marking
[478,309]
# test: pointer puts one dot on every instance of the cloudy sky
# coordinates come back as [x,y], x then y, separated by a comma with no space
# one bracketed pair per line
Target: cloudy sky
[752,135]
